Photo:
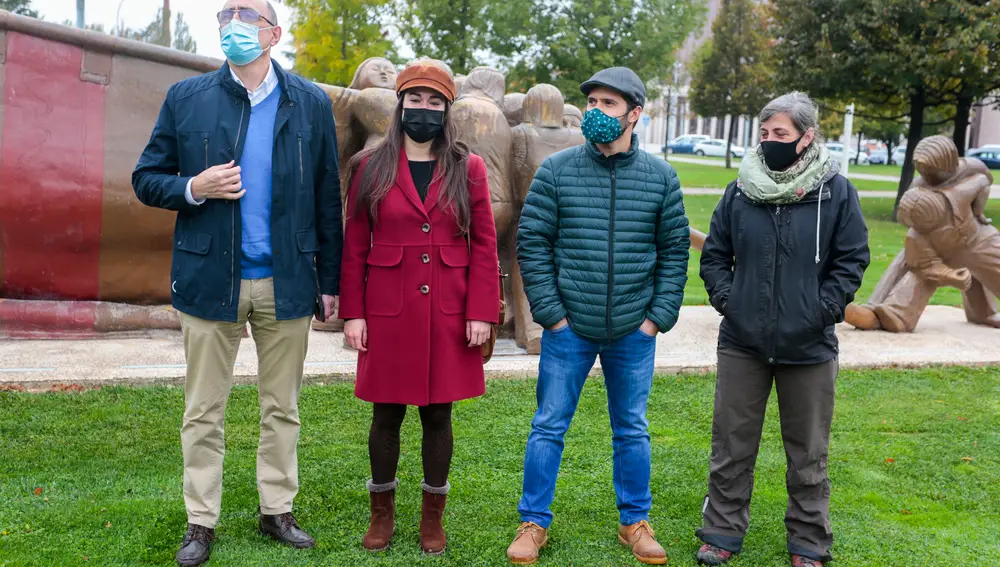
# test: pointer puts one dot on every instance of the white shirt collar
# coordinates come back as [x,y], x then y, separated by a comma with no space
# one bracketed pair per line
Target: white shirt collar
[265,88]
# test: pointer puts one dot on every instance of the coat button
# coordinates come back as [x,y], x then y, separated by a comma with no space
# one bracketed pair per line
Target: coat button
[426,227]
[425,258]
[425,289]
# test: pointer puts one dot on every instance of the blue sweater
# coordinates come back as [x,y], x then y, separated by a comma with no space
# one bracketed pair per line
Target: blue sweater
[255,206]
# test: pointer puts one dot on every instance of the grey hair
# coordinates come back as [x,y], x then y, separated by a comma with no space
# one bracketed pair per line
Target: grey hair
[272,15]
[798,107]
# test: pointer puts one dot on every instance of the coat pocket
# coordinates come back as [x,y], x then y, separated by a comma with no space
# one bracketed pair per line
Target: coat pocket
[191,262]
[384,288]
[453,280]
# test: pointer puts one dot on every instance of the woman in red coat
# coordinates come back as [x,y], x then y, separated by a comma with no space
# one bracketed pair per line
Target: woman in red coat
[419,290]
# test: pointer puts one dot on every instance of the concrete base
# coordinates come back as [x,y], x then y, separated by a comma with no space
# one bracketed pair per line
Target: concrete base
[942,338]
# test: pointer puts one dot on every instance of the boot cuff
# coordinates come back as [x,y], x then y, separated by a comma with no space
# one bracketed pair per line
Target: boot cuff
[435,489]
[387,487]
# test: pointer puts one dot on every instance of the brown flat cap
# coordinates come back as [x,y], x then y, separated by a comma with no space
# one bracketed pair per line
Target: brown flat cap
[428,76]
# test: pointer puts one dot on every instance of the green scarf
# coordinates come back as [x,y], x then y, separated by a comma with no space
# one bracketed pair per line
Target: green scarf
[783,187]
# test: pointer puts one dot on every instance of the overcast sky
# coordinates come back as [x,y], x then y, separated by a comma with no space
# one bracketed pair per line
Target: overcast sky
[198,14]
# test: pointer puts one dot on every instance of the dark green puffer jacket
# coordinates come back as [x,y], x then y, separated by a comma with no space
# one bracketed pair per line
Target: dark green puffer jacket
[587,216]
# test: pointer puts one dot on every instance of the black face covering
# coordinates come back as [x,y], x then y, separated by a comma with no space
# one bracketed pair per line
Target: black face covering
[423,124]
[779,156]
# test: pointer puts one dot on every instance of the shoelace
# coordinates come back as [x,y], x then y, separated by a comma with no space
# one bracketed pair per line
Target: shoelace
[643,525]
[529,528]
[199,533]
[288,521]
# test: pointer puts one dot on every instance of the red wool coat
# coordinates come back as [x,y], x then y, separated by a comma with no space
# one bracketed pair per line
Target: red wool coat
[412,277]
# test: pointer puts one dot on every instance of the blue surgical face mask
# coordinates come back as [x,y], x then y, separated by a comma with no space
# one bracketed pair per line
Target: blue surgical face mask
[240,42]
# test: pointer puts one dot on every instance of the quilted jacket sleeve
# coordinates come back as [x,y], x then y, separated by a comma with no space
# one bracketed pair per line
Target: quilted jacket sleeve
[672,243]
[536,237]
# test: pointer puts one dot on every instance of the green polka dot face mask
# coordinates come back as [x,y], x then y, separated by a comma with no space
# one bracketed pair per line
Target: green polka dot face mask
[601,128]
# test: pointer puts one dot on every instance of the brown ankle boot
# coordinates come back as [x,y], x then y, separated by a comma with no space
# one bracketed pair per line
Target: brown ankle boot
[383,521]
[432,538]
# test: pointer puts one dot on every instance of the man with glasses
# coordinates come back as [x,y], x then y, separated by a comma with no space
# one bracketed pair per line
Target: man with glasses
[247,156]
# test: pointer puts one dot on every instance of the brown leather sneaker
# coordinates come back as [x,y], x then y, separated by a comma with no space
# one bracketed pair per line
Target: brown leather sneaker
[529,539]
[640,538]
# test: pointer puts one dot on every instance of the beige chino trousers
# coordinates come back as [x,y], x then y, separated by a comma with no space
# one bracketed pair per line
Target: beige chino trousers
[210,349]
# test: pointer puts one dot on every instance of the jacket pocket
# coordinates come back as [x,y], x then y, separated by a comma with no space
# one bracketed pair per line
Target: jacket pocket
[384,288]
[189,263]
[453,279]
[307,241]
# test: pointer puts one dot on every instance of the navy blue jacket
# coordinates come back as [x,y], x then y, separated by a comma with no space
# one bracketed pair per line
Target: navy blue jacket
[779,285]
[203,122]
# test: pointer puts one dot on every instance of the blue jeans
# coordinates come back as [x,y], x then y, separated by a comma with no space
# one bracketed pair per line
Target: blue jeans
[562,370]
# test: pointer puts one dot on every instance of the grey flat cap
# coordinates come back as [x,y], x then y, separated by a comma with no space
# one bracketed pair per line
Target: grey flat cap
[620,79]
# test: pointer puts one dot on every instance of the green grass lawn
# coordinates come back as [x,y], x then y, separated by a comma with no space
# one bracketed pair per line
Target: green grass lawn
[95,478]
[873,169]
[885,238]
[714,177]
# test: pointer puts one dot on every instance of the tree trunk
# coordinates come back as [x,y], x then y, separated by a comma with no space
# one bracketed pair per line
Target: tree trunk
[167,39]
[343,29]
[729,141]
[857,156]
[962,111]
[918,102]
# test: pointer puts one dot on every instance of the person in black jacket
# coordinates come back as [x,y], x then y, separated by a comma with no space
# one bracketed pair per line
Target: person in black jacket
[247,156]
[785,254]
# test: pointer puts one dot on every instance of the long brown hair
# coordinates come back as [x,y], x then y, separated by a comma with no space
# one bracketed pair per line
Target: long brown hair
[382,168]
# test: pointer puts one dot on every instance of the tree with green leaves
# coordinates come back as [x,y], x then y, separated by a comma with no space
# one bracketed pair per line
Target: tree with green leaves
[924,53]
[19,7]
[463,33]
[333,37]
[734,74]
[576,38]
[153,33]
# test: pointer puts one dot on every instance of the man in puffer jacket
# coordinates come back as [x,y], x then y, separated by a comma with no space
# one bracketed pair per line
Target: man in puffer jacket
[603,250]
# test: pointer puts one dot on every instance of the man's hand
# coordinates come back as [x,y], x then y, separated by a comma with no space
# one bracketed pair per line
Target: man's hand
[562,323]
[218,182]
[330,304]
[476,332]
[649,328]
[356,331]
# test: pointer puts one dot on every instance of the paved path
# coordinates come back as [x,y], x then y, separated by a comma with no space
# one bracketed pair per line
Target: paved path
[852,173]
[943,337]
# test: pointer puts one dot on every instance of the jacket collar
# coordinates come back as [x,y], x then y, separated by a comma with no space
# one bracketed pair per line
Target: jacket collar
[623,159]
[225,77]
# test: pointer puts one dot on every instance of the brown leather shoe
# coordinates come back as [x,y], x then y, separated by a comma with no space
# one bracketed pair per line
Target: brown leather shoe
[529,539]
[383,520]
[640,538]
[196,547]
[285,529]
[432,538]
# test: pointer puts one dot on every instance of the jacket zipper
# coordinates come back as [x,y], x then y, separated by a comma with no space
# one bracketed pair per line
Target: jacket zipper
[206,153]
[232,265]
[775,293]
[611,250]
[302,180]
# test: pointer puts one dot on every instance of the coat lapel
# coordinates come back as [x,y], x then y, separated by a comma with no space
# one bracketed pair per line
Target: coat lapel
[434,191]
[405,182]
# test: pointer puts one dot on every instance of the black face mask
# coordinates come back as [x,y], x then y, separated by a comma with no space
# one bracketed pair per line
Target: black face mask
[779,156]
[423,124]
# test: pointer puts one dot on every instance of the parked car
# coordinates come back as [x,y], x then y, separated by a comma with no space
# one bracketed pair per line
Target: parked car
[686,144]
[880,157]
[899,155]
[837,152]
[717,148]
[988,155]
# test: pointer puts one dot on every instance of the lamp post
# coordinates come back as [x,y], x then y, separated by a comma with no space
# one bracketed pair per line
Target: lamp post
[118,19]
[79,13]
[671,108]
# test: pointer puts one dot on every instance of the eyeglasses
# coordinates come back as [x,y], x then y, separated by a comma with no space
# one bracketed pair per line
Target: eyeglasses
[248,15]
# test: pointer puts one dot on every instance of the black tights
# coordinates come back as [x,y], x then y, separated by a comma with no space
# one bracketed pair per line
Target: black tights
[383,442]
